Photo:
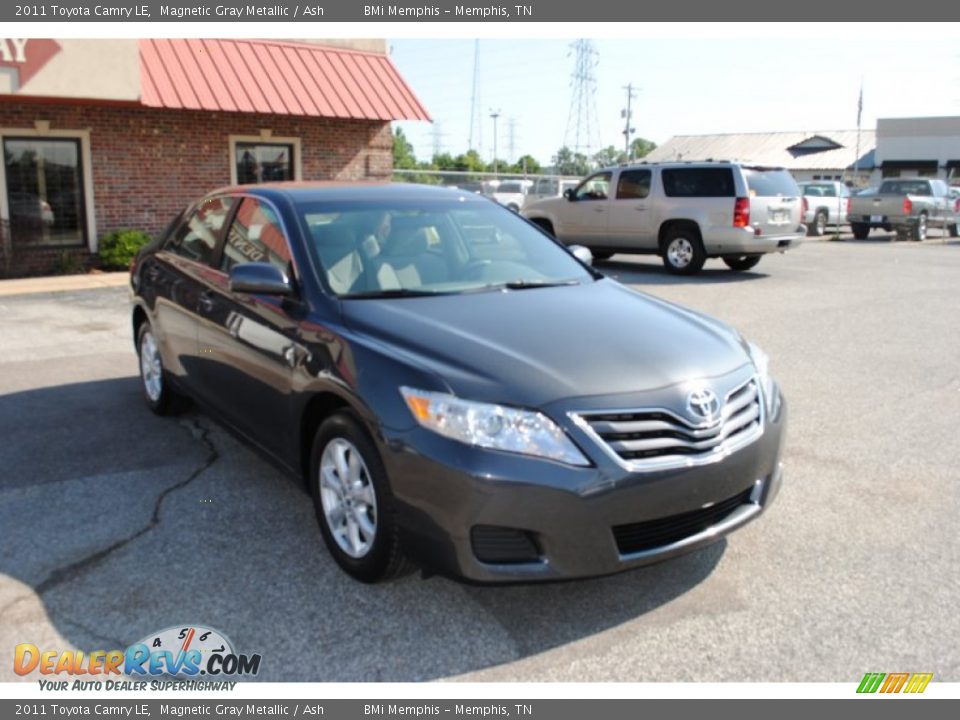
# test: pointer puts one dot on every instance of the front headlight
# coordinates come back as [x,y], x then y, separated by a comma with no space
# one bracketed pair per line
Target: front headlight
[492,426]
[768,386]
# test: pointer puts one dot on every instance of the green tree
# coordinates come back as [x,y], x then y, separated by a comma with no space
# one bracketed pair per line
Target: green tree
[469,161]
[526,164]
[568,162]
[609,156]
[641,147]
[403,157]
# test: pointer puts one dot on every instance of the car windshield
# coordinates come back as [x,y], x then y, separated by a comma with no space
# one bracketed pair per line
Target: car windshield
[764,182]
[370,249]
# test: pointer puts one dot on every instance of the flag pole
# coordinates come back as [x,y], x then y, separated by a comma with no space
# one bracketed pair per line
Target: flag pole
[856,159]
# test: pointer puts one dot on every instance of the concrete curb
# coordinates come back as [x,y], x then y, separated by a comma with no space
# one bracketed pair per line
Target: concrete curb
[63,283]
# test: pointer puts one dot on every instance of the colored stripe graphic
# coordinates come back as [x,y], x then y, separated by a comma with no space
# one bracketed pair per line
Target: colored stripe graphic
[895,682]
[918,682]
[870,682]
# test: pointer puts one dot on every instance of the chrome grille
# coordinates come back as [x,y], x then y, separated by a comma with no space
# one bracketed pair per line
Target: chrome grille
[658,439]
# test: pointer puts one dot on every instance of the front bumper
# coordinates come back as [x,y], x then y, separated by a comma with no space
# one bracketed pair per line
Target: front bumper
[445,489]
[745,241]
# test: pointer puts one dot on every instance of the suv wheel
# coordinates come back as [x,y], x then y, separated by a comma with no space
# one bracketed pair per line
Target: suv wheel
[353,502]
[741,262]
[683,253]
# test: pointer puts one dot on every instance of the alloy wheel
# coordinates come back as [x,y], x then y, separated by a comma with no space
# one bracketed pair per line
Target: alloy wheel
[348,498]
[680,252]
[151,369]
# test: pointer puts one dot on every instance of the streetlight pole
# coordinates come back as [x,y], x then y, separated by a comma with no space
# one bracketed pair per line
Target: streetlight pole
[495,114]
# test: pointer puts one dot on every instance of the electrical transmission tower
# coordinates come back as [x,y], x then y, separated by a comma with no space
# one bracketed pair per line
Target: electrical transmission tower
[582,128]
[475,141]
[627,115]
[511,139]
[437,139]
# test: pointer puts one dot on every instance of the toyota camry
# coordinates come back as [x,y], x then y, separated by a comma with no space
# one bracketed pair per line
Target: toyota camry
[457,390]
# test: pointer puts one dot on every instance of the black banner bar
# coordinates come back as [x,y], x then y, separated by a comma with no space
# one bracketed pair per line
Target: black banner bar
[528,11]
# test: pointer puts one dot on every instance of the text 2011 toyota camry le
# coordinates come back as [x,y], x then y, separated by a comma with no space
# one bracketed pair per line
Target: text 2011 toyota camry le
[457,389]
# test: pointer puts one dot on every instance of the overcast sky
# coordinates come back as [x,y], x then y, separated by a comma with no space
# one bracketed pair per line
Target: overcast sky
[686,86]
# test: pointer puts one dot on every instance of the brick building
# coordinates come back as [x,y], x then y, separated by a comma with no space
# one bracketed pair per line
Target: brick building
[101,135]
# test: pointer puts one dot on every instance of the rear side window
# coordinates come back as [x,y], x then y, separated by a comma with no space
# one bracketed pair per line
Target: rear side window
[770,183]
[633,185]
[698,182]
[197,237]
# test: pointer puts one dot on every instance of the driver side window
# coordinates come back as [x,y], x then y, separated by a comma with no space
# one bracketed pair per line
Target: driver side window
[595,187]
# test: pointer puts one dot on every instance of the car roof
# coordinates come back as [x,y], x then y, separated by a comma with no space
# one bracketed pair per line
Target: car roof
[301,192]
[690,164]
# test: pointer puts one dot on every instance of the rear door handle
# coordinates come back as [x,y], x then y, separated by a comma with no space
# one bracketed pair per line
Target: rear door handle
[152,273]
[206,301]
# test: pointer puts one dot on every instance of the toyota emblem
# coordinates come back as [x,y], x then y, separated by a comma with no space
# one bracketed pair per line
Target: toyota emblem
[703,403]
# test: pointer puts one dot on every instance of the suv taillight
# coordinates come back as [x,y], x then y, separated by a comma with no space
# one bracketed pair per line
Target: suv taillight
[741,212]
[907,206]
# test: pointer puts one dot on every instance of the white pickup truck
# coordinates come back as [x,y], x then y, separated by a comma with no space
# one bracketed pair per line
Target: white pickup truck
[825,204]
[907,205]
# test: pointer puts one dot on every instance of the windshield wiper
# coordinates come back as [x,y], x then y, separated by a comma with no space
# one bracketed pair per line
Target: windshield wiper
[391,293]
[529,284]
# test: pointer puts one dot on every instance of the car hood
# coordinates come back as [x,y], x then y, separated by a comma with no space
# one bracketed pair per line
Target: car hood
[533,347]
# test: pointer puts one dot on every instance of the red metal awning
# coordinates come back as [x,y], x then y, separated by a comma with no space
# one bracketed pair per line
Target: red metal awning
[274,77]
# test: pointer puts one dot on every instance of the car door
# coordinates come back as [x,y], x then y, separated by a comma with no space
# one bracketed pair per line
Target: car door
[583,217]
[629,222]
[175,276]
[250,343]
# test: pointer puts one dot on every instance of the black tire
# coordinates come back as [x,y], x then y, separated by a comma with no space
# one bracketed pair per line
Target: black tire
[682,251]
[383,559]
[741,262]
[544,225]
[513,207]
[859,230]
[918,233]
[819,225]
[602,254]
[160,397]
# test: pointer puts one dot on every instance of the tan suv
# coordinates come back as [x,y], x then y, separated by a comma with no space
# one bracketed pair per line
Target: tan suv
[684,212]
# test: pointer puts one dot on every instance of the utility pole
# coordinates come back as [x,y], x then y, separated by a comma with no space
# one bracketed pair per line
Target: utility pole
[495,114]
[627,116]
[511,137]
[475,124]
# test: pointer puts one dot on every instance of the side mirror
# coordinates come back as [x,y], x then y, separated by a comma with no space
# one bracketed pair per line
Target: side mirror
[582,254]
[260,277]
[569,193]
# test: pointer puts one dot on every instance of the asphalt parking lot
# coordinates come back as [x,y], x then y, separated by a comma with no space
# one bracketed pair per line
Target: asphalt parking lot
[115,523]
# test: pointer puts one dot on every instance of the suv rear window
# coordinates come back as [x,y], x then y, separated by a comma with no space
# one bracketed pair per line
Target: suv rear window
[771,183]
[698,182]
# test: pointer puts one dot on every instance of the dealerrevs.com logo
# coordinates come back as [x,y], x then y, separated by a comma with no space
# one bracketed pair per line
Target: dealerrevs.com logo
[181,652]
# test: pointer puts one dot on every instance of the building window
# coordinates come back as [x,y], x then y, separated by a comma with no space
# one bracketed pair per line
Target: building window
[258,162]
[891,172]
[45,191]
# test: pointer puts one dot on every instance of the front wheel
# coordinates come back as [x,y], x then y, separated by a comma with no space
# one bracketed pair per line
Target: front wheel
[353,502]
[683,252]
[741,262]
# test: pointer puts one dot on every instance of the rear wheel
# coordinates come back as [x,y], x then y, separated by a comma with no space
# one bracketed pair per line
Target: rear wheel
[544,225]
[159,396]
[682,251]
[353,502]
[859,230]
[741,262]
[819,225]
[920,229]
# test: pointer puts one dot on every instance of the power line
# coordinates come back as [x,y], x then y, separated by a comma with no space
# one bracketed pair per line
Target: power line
[581,121]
